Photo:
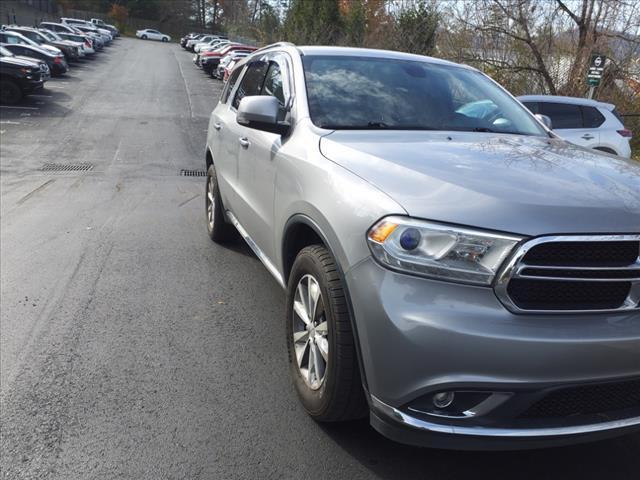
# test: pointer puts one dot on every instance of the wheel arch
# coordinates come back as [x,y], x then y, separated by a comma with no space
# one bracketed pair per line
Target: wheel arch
[208,158]
[301,231]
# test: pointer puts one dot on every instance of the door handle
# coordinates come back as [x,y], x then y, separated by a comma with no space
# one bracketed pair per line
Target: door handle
[244,143]
[587,136]
[217,126]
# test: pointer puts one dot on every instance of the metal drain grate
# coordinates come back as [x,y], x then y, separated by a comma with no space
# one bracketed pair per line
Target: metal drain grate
[67,167]
[193,173]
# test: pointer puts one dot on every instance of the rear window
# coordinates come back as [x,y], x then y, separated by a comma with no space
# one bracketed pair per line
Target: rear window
[617,115]
[592,117]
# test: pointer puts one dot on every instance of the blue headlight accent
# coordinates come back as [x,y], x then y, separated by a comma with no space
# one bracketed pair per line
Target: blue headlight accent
[410,238]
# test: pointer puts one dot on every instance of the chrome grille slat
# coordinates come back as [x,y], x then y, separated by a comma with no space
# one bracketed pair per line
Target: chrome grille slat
[536,280]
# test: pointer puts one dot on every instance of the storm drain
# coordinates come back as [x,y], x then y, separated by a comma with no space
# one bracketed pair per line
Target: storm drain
[193,173]
[66,167]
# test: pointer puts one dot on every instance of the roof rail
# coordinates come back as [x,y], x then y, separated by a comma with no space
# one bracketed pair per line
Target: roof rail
[277,44]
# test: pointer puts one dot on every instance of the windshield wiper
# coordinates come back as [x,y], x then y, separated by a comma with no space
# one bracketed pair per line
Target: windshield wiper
[376,126]
[485,130]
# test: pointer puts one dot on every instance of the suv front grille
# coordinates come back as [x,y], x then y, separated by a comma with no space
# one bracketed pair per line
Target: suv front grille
[573,273]
[586,400]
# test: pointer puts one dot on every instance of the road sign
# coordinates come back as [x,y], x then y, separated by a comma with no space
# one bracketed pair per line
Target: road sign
[596,67]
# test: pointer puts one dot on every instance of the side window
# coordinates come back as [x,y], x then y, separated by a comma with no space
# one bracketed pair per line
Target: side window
[252,81]
[592,117]
[226,91]
[531,106]
[273,87]
[562,115]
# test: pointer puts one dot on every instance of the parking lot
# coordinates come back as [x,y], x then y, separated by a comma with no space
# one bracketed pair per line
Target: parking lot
[134,347]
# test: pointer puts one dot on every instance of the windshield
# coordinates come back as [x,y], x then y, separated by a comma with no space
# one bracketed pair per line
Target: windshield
[380,93]
[49,35]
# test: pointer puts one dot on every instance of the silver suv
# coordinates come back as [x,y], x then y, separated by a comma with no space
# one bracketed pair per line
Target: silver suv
[460,274]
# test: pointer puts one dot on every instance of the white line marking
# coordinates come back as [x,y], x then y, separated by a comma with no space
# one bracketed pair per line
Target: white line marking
[9,122]
[20,108]
[186,87]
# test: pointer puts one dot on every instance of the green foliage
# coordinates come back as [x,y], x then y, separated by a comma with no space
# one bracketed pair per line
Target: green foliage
[416,27]
[355,24]
[269,28]
[313,23]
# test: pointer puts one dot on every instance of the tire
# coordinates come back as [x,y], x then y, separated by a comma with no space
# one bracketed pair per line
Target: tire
[143,37]
[220,231]
[165,39]
[333,393]
[10,93]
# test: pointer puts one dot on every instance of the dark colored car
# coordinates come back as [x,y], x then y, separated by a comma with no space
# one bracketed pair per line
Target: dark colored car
[45,72]
[70,52]
[18,78]
[57,64]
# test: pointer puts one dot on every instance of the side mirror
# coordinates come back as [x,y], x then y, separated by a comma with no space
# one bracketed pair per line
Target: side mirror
[546,121]
[261,113]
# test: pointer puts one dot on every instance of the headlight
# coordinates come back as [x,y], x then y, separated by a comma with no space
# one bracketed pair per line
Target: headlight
[439,251]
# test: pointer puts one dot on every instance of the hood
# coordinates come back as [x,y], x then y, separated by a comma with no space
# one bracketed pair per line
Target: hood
[511,183]
[21,61]
[31,60]
[50,49]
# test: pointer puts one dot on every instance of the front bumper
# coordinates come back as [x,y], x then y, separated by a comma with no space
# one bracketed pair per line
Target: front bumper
[418,337]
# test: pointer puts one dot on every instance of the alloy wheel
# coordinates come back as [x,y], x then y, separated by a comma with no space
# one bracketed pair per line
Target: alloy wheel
[211,201]
[310,332]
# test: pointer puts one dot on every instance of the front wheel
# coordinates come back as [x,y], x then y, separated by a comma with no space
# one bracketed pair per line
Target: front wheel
[144,37]
[165,39]
[10,93]
[320,341]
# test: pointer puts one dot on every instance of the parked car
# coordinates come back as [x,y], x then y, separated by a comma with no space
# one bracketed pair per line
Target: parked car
[189,36]
[467,282]
[57,27]
[70,51]
[214,45]
[18,77]
[212,58]
[150,34]
[15,38]
[45,72]
[100,24]
[83,41]
[191,43]
[204,42]
[102,37]
[227,61]
[585,122]
[87,26]
[57,64]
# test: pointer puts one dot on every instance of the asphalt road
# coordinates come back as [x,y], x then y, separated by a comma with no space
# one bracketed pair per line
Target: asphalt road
[133,347]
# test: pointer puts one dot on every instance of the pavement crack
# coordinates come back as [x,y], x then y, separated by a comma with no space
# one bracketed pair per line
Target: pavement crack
[34,191]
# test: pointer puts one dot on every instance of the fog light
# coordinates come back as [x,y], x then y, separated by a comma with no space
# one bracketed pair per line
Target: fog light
[443,399]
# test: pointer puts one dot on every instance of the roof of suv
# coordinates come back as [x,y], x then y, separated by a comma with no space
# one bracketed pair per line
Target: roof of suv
[570,100]
[362,52]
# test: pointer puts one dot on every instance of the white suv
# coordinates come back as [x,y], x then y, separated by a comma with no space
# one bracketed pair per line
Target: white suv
[585,122]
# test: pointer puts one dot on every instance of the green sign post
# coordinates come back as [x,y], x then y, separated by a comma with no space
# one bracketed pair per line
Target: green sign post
[594,75]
